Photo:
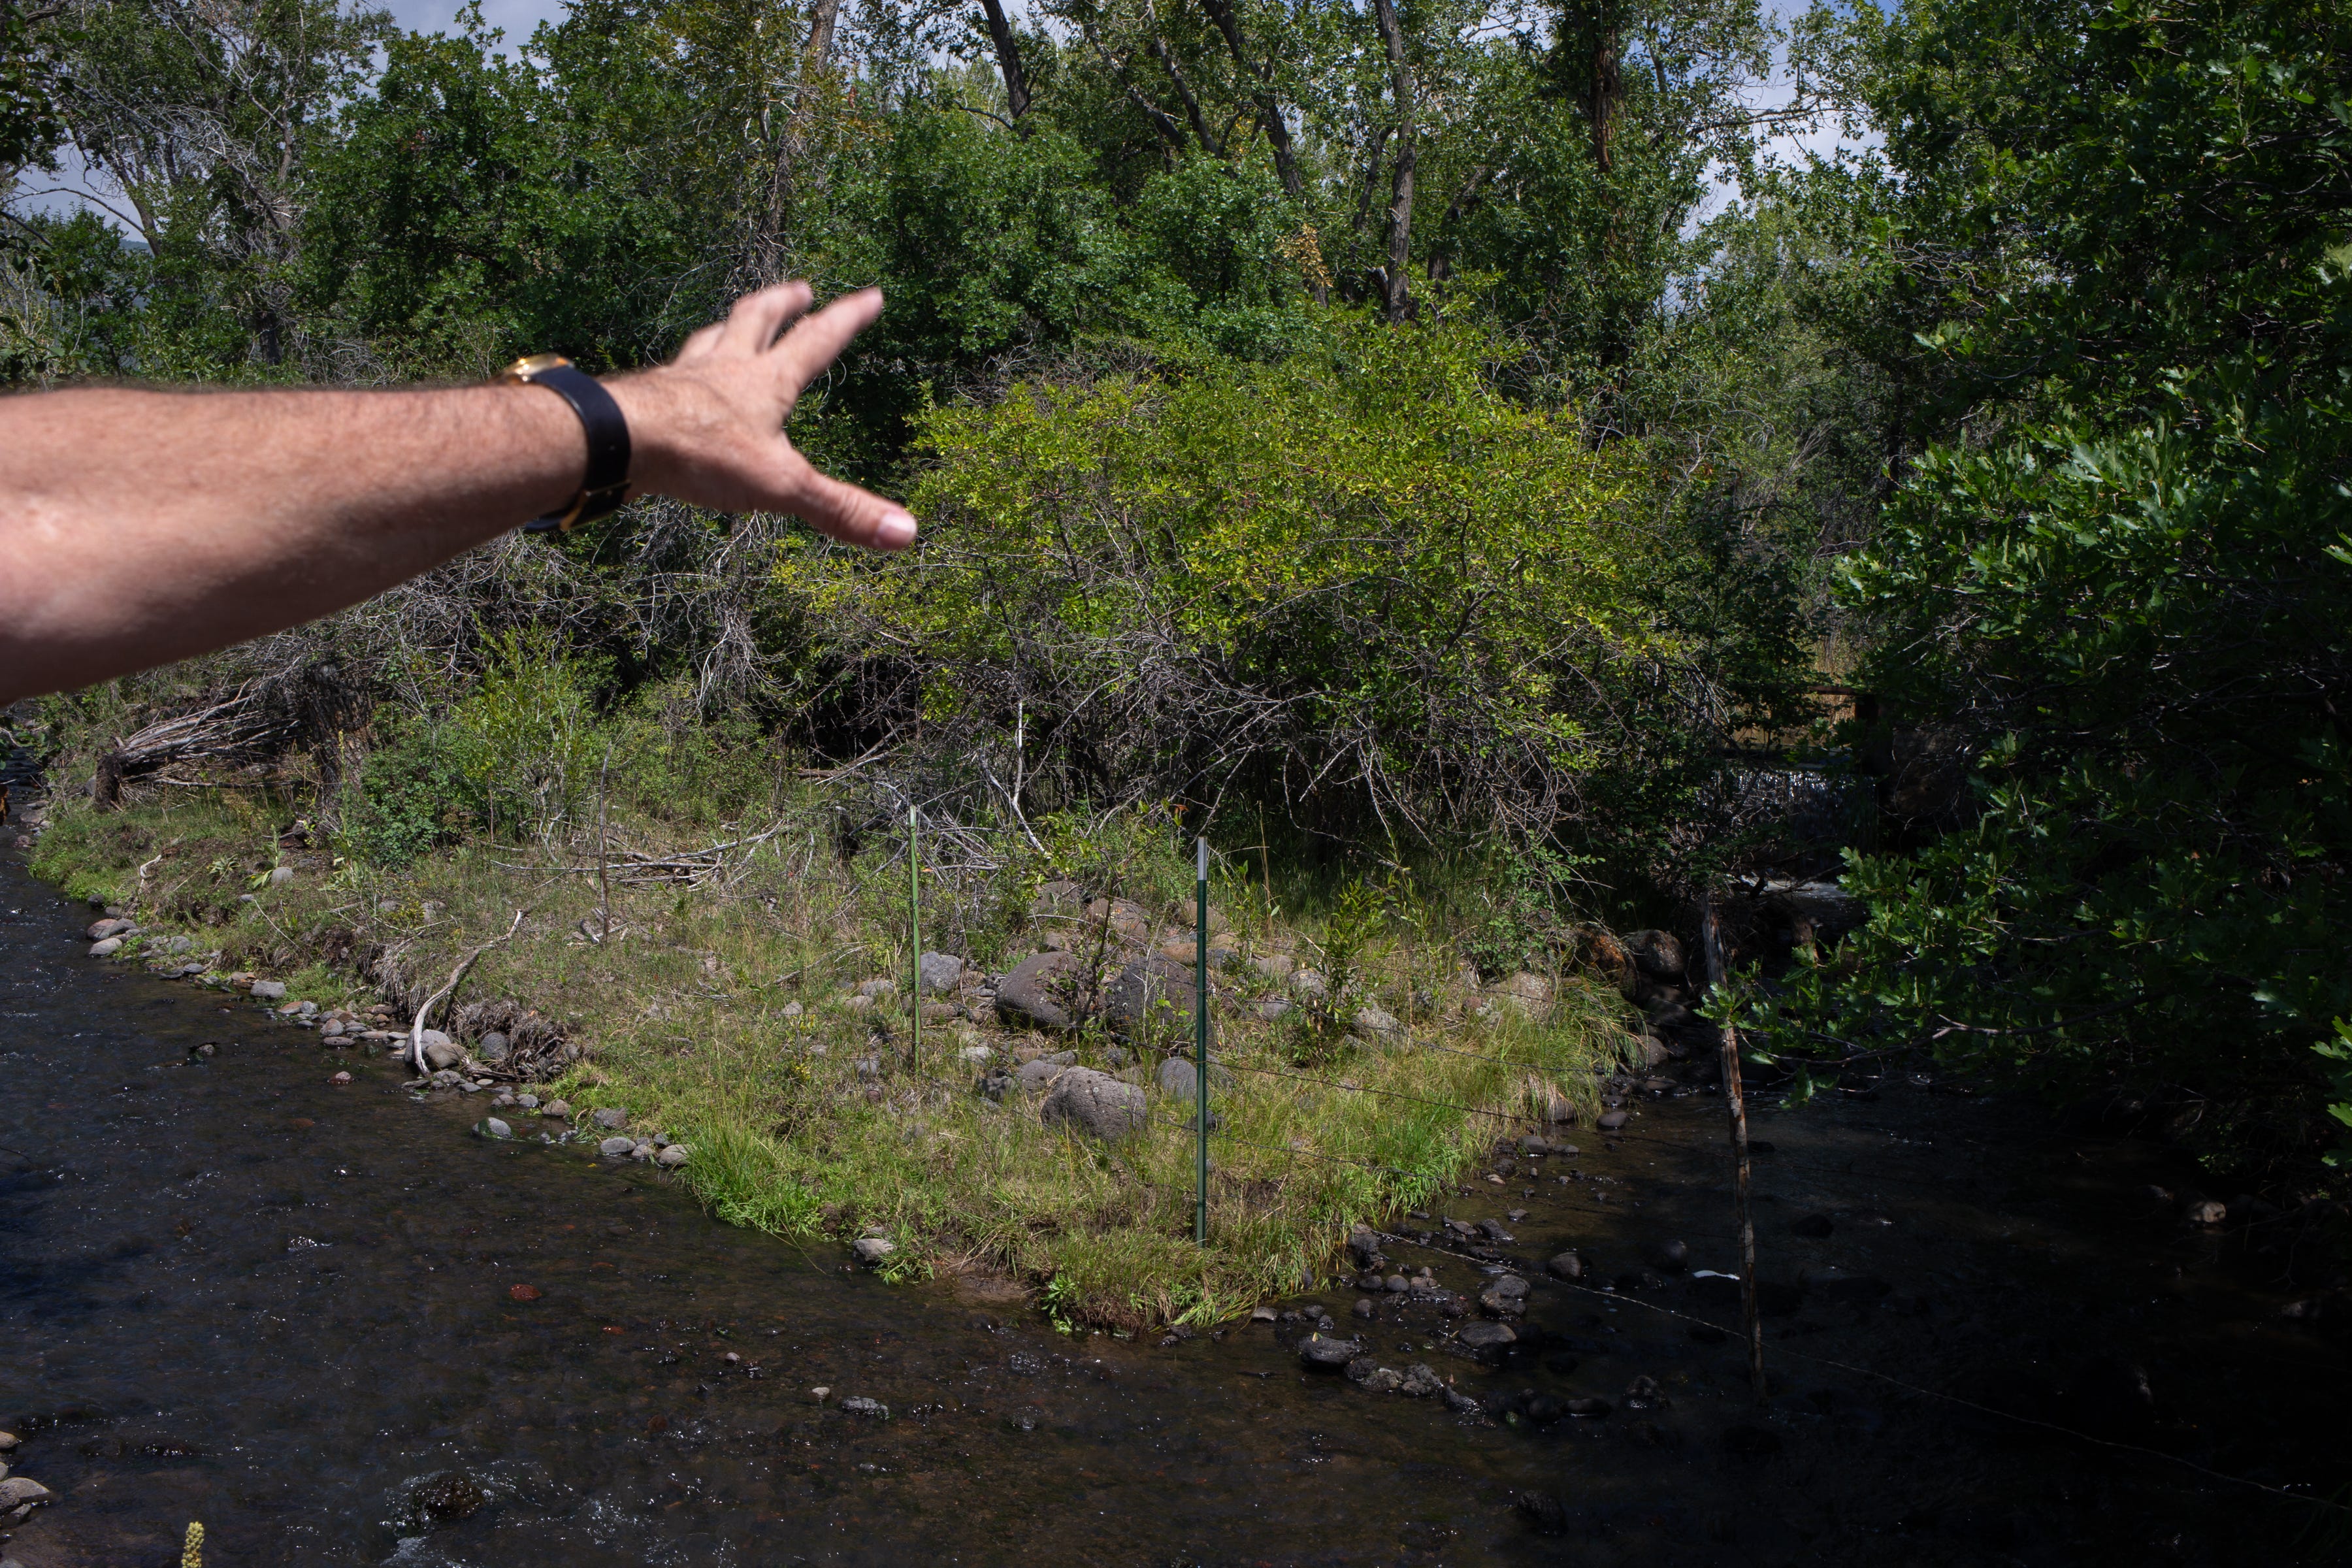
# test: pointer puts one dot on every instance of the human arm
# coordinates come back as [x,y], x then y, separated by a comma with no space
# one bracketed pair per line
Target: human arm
[138,526]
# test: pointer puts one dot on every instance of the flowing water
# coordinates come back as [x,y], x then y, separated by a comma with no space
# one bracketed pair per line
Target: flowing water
[231,1292]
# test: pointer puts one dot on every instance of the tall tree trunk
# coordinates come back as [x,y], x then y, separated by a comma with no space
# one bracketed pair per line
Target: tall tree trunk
[768,245]
[1399,303]
[1008,60]
[1607,90]
[1269,112]
[1601,44]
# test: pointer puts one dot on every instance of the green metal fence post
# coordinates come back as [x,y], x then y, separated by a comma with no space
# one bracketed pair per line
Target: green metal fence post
[915,941]
[1201,1039]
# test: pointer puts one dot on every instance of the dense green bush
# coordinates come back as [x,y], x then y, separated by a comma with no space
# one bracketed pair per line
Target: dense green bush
[2124,605]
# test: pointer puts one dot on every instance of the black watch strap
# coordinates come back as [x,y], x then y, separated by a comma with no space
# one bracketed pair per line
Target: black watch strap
[606,483]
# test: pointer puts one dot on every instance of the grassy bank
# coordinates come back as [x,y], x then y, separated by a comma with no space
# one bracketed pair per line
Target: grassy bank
[722,1008]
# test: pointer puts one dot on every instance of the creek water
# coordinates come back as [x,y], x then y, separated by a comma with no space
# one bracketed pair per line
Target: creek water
[231,1292]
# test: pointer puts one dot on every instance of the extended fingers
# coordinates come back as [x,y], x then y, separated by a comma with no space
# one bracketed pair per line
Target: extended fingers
[756,319]
[818,340]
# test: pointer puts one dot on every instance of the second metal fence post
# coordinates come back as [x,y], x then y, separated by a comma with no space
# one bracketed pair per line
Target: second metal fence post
[915,943]
[1200,1038]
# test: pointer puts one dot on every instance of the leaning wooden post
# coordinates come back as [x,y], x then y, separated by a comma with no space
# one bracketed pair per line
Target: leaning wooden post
[1735,1107]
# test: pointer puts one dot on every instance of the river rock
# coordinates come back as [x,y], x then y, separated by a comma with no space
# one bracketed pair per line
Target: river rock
[1317,1354]
[940,971]
[872,1249]
[1151,998]
[1363,1307]
[441,1051]
[1383,1380]
[1566,1265]
[21,1492]
[1095,1103]
[105,949]
[270,990]
[1486,1340]
[495,1046]
[612,1118]
[1837,1285]
[1506,1298]
[1420,1381]
[1044,992]
[1669,1257]
[100,930]
[857,1405]
[280,875]
[1181,1077]
[617,1148]
[559,1108]
[672,1157]
[1613,1120]
[494,1128]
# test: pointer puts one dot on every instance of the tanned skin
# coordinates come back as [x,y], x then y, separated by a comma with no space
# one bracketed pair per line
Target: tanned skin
[139,527]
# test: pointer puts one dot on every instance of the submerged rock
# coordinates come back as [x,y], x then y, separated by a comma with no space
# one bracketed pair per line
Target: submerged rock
[1317,1353]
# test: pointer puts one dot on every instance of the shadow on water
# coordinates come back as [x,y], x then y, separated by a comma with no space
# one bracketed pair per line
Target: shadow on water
[338,1330]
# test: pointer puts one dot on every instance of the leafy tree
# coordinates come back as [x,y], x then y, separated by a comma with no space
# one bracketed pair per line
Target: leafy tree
[2108,612]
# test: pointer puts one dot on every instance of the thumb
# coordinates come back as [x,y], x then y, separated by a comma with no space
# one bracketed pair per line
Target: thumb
[852,515]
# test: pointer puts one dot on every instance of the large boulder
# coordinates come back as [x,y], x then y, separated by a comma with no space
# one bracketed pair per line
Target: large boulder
[1657,953]
[1047,991]
[1152,999]
[1095,1103]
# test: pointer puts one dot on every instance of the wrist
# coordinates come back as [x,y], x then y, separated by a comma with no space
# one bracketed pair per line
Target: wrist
[649,405]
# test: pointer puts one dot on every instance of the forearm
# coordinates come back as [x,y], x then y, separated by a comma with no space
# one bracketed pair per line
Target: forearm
[139,527]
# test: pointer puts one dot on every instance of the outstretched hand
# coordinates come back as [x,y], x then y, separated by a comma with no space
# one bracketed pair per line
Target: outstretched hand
[708,427]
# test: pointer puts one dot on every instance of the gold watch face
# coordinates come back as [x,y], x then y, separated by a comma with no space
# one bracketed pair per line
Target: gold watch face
[533,364]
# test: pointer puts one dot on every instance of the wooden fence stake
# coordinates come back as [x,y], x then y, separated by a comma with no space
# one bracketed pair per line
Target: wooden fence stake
[1735,1106]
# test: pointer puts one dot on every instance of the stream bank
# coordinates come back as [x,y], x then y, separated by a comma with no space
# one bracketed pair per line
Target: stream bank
[338,1329]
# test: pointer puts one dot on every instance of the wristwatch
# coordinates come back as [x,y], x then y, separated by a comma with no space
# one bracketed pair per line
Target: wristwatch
[606,485]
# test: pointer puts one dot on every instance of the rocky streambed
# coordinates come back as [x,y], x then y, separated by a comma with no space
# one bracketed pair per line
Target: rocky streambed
[249,1282]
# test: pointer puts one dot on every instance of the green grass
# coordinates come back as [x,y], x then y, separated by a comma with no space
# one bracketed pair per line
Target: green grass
[687,1022]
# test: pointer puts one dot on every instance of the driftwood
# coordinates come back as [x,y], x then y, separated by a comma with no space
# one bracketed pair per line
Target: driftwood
[416,1027]
[263,719]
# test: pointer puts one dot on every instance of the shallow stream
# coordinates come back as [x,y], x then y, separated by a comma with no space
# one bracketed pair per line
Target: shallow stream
[232,1291]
